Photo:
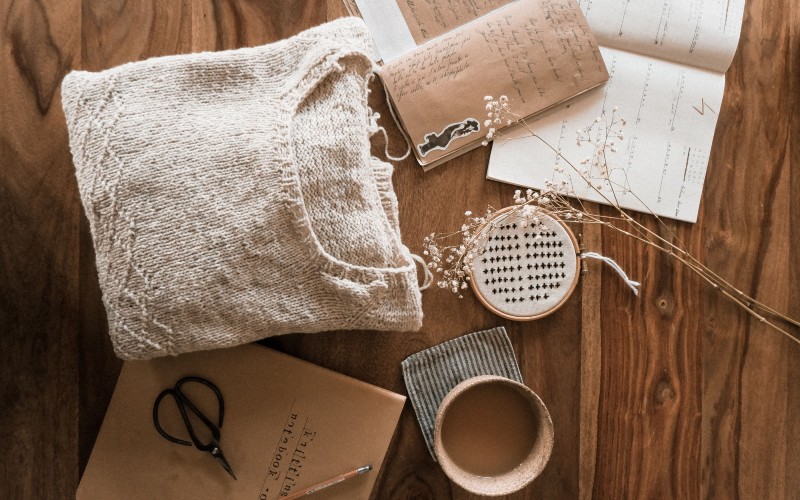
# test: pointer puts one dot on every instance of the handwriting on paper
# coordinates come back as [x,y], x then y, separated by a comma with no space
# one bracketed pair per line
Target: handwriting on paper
[433,63]
[536,50]
[666,60]
[428,19]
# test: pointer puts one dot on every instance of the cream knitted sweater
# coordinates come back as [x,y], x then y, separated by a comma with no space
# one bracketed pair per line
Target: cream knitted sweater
[232,196]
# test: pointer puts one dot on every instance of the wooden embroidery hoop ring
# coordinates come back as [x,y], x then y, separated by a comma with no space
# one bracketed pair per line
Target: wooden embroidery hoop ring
[560,303]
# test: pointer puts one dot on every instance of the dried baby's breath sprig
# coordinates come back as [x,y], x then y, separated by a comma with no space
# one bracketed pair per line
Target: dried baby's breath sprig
[451,254]
[497,114]
[453,262]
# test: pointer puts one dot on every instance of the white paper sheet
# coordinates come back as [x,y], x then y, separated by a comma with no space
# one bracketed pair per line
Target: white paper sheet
[666,60]
[393,33]
[388,28]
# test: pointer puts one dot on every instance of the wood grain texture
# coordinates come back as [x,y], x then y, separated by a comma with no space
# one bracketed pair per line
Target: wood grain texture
[591,364]
[676,394]
[39,239]
[748,237]
[792,420]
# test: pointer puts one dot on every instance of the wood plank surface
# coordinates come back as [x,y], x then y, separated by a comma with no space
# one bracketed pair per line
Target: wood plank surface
[676,394]
[39,241]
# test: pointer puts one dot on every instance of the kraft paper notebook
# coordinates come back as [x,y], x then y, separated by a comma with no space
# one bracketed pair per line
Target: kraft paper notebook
[288,424]
[539,53]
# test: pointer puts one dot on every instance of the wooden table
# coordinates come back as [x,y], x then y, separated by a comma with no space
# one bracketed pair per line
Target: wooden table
[676,394]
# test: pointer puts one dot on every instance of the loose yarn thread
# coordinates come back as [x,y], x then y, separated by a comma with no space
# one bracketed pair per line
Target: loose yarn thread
[374,128]
[633,285]
[426,282]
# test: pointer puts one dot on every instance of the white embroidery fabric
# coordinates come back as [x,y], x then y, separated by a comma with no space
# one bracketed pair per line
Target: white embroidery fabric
[526,272]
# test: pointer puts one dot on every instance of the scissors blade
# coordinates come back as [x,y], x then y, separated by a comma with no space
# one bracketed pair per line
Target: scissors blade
[216,452]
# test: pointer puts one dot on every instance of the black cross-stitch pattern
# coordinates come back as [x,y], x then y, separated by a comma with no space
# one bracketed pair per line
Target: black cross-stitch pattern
[526,267]
[502,248]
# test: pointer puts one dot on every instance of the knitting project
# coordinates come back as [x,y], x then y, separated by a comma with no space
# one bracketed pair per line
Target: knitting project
[231,196]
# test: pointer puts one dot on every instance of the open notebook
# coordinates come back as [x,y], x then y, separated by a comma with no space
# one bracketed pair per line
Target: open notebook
[539,53]
[288,424]
[667,61]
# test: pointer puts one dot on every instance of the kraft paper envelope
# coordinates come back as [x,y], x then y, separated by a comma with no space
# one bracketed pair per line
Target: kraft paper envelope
[539,53]
[288,424]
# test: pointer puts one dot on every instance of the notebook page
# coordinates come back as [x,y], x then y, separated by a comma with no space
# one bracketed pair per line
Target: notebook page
[701,33]
[399,26]
[388,28]
[427,20]
[671,113]
[538,52]
[671,108]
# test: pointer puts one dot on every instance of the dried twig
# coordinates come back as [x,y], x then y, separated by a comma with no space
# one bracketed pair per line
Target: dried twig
[453,262]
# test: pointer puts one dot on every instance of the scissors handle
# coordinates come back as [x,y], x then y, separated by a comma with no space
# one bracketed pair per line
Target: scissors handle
[185,404]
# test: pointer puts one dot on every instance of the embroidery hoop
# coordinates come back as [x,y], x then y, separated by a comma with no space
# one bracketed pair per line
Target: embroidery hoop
[483,270]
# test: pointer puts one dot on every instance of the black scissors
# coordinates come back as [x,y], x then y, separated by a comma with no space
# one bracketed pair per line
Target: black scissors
[185,404]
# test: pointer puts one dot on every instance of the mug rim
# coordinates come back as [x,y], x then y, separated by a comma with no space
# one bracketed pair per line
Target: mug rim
[507,482]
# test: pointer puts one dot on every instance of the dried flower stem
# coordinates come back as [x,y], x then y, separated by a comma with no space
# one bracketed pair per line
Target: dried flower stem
[454,262]
[678,252]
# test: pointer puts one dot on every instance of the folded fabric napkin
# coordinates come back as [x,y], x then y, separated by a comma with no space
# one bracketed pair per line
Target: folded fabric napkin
[232,196]
[432,373]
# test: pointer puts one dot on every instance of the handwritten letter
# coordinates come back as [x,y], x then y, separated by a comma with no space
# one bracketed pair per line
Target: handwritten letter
[428,19]
[537,52]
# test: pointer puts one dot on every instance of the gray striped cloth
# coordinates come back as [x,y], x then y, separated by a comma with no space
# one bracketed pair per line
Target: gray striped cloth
[432,373]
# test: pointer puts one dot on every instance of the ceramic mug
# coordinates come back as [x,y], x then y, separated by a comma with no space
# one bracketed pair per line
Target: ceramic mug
[492,436]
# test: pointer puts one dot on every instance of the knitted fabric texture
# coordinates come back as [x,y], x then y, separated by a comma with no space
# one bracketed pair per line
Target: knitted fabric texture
[232,196]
